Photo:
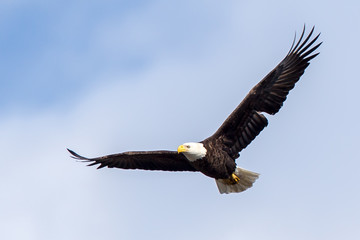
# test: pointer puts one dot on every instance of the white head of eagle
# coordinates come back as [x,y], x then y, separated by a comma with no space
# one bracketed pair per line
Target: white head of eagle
[192,150]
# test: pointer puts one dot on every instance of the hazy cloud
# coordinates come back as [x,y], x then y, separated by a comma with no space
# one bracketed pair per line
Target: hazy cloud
[116,76]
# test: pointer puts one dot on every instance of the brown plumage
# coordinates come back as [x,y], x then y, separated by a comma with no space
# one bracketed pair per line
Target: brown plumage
[215,156]
[146,160]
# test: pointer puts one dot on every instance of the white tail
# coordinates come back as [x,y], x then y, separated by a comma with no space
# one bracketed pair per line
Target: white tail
[247,178]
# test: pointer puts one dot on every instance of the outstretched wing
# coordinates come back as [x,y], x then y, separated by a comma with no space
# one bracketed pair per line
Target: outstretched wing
[246,121]
[146,160]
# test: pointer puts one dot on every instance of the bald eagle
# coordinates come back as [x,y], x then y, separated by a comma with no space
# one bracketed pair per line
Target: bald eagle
[215,156]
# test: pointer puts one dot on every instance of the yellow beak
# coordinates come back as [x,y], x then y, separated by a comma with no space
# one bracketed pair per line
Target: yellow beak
[181,149]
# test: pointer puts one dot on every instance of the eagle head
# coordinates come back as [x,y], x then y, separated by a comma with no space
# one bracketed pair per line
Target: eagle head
[192,151]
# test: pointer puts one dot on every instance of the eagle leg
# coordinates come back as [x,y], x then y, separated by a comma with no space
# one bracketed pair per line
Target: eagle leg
[232,180]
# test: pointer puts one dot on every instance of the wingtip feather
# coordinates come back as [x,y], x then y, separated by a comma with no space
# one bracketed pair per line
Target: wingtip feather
[76,156]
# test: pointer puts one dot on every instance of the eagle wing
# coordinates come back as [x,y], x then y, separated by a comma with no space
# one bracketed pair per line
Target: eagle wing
[146,160]
[246,121]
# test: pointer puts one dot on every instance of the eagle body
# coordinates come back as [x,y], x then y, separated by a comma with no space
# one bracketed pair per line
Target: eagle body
[217,163]
[215,156]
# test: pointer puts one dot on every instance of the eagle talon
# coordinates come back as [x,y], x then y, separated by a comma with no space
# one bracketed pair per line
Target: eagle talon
[234,179]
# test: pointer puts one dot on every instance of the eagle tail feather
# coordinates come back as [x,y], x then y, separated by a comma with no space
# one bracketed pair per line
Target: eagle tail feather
[245,181]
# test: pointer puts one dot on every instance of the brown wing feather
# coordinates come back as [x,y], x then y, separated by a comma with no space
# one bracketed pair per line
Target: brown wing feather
[246,121]
[146,160]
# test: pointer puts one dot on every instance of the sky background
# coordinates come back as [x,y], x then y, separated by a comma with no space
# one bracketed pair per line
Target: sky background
[103,77]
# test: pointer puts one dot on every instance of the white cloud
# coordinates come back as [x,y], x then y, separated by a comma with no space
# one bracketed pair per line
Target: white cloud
[305,160]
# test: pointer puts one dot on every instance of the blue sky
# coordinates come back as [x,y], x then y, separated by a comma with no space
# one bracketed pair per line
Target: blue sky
[103,77]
